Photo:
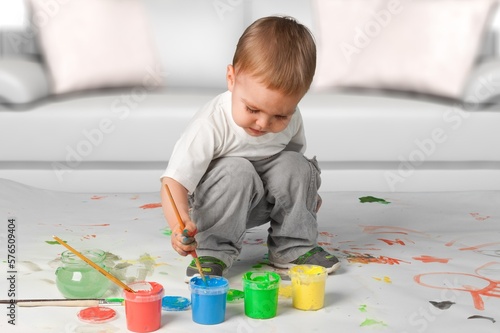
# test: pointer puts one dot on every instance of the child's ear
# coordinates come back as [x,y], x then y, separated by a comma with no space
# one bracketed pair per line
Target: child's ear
[230,77]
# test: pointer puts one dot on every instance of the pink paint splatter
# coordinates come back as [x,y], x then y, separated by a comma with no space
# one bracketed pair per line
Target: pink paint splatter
[97,197]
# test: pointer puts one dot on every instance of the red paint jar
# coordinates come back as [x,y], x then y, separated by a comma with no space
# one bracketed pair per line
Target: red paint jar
[143,307]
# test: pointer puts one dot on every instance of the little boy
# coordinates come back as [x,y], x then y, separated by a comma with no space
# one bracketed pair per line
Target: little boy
[240,163]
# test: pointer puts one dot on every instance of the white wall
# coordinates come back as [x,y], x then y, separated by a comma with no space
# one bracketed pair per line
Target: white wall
[12,13]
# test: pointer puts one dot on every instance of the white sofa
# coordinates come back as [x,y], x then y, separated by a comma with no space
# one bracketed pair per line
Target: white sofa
[119,140]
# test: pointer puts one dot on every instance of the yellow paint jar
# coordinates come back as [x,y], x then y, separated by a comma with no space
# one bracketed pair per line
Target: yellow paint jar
[308,286]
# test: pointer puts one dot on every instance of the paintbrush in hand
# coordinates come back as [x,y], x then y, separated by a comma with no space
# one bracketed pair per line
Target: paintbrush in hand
[182,226]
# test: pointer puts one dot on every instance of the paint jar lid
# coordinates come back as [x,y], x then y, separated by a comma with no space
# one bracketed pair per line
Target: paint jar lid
[215,285]
[261,280]
[97,314]
[175,303]
[144,292]
[309,272]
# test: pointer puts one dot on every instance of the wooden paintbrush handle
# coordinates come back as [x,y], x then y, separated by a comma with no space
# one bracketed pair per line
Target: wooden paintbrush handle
[174,206]
[76,302]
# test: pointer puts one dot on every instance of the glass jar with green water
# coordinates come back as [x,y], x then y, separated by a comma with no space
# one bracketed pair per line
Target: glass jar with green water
[77,279]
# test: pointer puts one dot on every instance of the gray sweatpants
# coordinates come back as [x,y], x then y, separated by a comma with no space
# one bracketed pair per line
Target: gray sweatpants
[236,194]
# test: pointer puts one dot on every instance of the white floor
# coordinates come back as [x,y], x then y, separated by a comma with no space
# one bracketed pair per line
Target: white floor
[396,258]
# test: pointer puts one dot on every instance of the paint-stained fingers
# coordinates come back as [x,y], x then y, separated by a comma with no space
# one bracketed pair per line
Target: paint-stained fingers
[186,238]
[182,244]
[185,250]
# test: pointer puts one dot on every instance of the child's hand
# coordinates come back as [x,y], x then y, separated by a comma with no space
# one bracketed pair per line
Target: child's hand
[319,202]
[183,240]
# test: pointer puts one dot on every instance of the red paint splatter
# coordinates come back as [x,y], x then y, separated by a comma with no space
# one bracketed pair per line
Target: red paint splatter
[327,234]
[428,259]
[151,205]
[89,237]
[477,247]
[450,243]
[96,314]
[97,197]
[392,242]
[324,243]
[380,229]
[365,248]
[254,241]
[490,290]
[93,225]
[478,217]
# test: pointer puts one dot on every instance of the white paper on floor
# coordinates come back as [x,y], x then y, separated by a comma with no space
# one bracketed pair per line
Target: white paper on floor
[411,262]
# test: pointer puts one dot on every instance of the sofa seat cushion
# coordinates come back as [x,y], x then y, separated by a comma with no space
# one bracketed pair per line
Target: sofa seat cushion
[385,128]
[123,126]
[118,126]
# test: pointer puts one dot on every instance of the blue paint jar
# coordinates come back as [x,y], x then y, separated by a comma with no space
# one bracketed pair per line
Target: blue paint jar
[208,300]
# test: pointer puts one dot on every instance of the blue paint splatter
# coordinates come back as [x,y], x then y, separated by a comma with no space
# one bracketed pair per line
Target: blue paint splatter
[175,303]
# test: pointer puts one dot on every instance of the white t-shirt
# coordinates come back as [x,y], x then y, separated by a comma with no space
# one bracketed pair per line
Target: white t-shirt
[212,133]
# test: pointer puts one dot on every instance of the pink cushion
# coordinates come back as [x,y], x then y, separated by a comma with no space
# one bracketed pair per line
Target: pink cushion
[425,46]
[90,44]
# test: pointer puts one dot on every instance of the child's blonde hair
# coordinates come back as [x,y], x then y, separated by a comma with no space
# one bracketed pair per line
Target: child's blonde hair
[280,52]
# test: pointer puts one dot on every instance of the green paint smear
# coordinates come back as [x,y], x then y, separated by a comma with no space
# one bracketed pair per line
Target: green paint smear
[362,308]
[54,242]
[166,231]
[371,322]
[373,199]
[257,266]
[234,295]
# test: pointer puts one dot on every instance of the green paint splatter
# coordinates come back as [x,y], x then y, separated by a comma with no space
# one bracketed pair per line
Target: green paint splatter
[372,322]
[234,295]
[257,266]
[166,231]
[373,199]
[54,242]
[362,308]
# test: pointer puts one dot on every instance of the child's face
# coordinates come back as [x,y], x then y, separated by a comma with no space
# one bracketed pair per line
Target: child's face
[257,109]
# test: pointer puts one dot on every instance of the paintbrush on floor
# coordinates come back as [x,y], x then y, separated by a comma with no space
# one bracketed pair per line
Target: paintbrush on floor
[80,302]
[182,226]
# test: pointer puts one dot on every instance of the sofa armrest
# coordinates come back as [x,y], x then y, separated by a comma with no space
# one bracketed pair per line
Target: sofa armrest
[483,85]
[22,80]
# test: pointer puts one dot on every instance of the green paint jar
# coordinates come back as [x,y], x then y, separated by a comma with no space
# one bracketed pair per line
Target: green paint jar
[261,294]
[77,279]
